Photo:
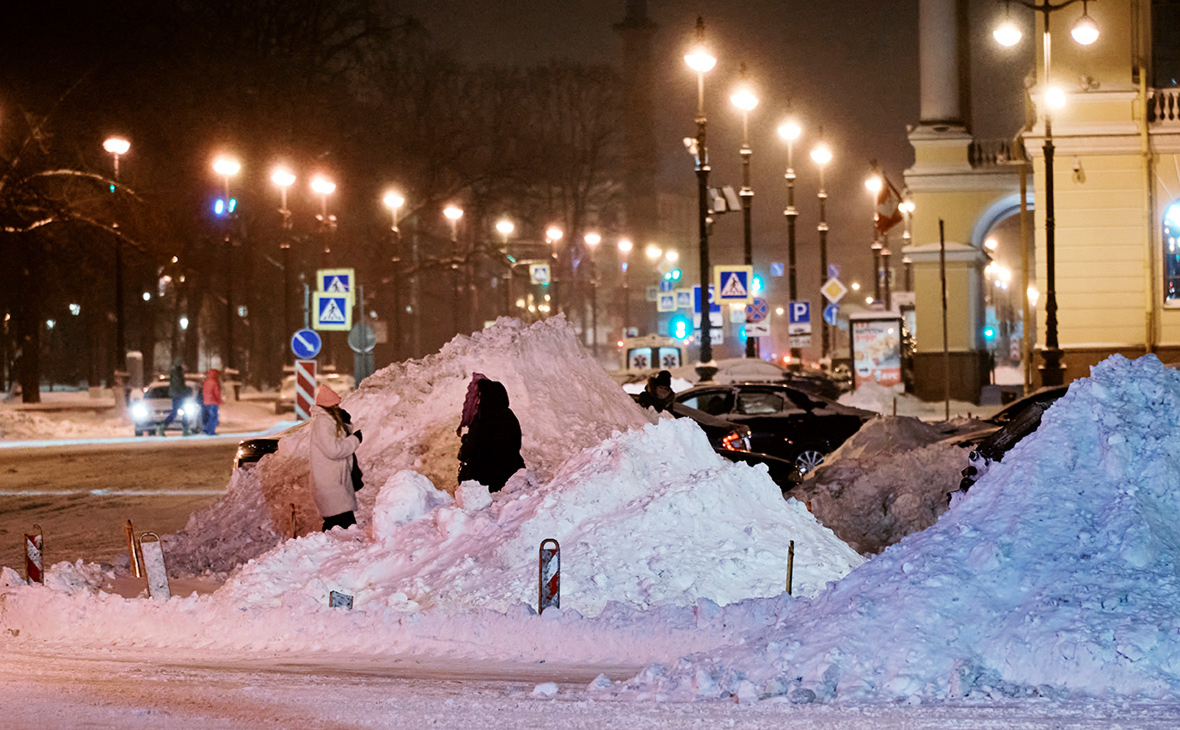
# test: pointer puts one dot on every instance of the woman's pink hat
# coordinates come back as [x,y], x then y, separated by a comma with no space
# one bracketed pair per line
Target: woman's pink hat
[326,397]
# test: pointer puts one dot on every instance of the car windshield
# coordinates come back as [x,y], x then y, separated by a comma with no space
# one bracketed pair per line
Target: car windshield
[713,402]
[159,391]
[759,402]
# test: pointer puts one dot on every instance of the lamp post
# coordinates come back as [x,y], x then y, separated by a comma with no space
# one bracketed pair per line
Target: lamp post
[283,178]
[453,213]
[553,236]
[874,183]
[790,131]
[227,167]
[117,146]
[323,187]
[699,59]
[1084,31]
[821,154]
[592,240]
[625,247]
[394,201]
[505,227]
[746,101]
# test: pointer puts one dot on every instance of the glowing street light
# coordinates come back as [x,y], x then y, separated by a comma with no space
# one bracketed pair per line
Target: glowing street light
[701,60]
[117,147]
[228,167]
[790,131]
[394,201]
[283,179]
[821,155]
[746,100]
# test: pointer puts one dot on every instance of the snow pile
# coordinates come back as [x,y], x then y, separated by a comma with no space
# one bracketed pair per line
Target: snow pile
[409,411]
[650,517]
[884,435]
[24,425]
[1056,575]
[873,397]
[888,481]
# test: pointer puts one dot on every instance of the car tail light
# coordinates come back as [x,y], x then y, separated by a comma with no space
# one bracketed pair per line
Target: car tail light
[735,442]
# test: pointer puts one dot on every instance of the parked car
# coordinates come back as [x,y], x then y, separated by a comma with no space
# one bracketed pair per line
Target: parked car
[149,412]
[784,421]
[342,384]
[1004,430]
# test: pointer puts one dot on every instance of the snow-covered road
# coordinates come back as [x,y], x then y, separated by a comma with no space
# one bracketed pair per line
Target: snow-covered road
[51,691]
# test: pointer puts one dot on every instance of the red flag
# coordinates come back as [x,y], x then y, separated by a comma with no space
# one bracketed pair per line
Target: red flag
[888,213]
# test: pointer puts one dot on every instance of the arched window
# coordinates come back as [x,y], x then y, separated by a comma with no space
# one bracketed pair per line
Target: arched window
[1172,253]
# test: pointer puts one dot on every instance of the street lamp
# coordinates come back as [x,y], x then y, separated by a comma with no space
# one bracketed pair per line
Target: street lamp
[394,201]
[1085,31]
[505,227]
[117,147]
[790,131]
[453,213]
[322,186]
[701,60]
[746,101]
[553,235]
[821,155]
[228,167]
[283,178]
[874,183]
[592,240]
[625,247]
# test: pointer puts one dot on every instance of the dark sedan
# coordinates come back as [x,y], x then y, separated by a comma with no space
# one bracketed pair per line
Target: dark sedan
[785,422]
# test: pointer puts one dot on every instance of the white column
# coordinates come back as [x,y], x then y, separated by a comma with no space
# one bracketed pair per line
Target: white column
[938,60]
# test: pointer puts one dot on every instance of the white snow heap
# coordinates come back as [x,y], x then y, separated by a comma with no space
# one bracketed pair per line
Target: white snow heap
[409,411]
[650,517]
[1056,575]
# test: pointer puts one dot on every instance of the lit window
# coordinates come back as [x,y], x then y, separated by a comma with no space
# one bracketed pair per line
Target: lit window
[1171,255]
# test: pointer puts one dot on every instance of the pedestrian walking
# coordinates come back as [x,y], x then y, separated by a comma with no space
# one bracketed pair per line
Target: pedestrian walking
[177,391]
[333,443]
[490,450]
[211,398]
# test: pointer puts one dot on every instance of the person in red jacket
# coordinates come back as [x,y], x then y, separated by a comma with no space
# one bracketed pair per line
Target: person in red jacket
[211,397]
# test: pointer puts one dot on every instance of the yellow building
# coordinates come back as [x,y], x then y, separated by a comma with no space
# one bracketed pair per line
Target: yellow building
[1116,187]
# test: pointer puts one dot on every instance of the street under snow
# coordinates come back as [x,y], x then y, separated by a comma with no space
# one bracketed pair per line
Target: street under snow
[1046,599]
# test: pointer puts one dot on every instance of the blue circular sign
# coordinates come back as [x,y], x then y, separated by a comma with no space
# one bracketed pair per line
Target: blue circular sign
[306,344]
[831,312]
[757,310]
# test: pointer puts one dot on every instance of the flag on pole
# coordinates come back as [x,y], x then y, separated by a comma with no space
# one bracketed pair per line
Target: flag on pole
[888,213]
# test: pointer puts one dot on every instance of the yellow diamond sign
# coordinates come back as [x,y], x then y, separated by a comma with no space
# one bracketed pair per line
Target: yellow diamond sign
[833,290]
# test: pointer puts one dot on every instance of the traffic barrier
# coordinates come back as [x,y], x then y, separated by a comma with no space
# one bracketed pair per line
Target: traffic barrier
[153,565]
[549,575]
[790,565]
[133,551]
[34,545]
[336,599]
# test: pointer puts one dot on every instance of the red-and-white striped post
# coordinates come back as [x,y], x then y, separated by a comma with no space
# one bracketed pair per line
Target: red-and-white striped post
[304,388]
[549,575]
[34,544]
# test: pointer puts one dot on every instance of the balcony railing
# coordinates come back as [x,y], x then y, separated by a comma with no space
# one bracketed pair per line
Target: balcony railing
[1163,105]
[993,153]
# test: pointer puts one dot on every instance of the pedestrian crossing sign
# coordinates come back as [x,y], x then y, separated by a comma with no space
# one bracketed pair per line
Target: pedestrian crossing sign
[336,281]
[331,311]
[734,283]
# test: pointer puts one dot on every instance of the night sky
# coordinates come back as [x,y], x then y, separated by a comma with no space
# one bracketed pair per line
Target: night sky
[848,65]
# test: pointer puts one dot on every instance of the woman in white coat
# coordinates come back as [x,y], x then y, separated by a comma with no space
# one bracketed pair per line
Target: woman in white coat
[333,443]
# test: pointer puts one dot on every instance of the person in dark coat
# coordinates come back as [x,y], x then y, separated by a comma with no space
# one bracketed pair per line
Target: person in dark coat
[177,391]
[490,452]
[658,393]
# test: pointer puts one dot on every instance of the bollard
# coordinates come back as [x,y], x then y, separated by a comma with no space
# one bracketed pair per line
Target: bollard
[34,544]
[549,576]
[790,565]
[294,528]
[133,551]
[153,566]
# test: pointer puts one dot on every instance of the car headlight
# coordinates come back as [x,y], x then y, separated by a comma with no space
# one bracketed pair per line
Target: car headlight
[139,411]
[190,408]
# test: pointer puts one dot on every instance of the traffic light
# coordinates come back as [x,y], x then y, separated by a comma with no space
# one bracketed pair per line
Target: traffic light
[220,208]
[757,284]
[679,327]
[673,275]
[989,333]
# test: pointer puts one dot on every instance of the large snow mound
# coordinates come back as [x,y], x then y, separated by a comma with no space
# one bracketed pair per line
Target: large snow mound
[409,411]
[1056,575]
[650,517]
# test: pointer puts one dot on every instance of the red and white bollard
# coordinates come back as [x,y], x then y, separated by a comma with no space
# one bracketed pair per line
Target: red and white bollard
[34,544]
[305,385]
[549,575]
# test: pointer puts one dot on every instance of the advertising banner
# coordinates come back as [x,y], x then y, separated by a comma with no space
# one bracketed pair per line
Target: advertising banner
[876,350]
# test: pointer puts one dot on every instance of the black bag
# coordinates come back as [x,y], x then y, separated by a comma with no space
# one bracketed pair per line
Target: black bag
[358,480]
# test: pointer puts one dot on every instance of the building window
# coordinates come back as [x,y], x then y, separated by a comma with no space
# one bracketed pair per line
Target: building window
[1165,52]
[1172,253]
